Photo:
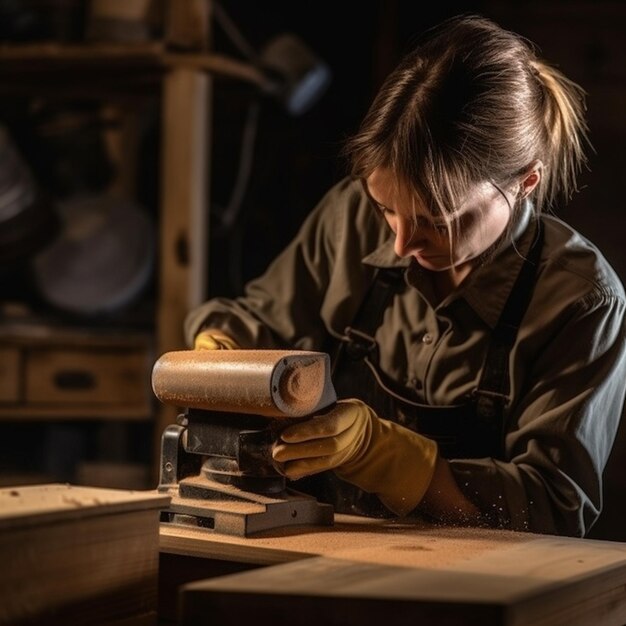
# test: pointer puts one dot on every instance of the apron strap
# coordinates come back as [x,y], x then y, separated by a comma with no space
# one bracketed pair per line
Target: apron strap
[369,317]
[492,393]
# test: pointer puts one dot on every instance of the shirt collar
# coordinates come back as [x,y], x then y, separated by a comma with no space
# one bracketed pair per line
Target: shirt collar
[488,287]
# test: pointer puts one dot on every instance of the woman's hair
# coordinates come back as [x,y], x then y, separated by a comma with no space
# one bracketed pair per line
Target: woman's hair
[473,102]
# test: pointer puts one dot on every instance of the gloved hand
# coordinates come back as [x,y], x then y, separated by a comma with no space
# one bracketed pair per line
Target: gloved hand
[213,339]
[374,454]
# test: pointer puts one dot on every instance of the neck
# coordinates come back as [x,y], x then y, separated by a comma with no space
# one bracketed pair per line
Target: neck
[447,281]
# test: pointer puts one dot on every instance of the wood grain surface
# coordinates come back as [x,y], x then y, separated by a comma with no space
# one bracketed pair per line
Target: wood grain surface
[78,555]
[361,570]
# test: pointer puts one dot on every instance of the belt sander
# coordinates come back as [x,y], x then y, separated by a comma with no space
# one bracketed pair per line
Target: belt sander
[216,461]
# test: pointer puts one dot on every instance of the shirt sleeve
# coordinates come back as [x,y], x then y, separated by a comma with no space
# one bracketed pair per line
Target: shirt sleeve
[560,435]
[306,289]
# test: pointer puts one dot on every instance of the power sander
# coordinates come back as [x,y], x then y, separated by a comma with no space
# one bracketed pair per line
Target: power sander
[216,461]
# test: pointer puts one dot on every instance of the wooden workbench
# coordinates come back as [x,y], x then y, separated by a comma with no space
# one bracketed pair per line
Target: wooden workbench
[364,571]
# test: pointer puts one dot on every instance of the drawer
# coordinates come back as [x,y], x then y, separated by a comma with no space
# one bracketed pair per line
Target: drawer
[95,377]
[10,359]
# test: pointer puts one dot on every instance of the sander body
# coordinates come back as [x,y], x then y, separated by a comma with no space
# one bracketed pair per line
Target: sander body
[216,461]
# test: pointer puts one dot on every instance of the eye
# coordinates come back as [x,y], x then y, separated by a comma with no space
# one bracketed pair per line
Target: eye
[441,227]
[424,223]
[383,210]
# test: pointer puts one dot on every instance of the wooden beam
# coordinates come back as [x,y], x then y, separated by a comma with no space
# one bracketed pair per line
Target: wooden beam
[185,171]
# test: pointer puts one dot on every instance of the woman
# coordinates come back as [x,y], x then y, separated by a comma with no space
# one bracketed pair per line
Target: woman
[477,343]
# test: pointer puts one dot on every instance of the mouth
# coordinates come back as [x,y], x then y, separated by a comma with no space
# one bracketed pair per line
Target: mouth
[426,257]
[432,261]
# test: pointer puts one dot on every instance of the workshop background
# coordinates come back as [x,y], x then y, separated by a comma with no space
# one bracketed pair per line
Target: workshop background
[80,205]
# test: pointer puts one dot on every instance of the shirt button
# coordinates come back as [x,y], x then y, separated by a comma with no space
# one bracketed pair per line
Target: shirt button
[427,338]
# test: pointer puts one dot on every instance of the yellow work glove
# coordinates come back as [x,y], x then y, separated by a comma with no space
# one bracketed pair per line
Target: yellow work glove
[213,339]
[374,454]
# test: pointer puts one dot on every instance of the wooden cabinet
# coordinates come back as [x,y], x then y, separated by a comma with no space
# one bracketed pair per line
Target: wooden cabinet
[75,374]
[71,373]
[10,362]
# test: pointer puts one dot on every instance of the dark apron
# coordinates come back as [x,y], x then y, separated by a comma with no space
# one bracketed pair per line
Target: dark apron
[473,429]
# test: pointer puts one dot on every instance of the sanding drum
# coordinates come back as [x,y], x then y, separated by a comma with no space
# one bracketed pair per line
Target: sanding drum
[270,383]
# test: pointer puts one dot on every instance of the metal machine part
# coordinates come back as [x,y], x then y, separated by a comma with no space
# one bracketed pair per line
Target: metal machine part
[216,462]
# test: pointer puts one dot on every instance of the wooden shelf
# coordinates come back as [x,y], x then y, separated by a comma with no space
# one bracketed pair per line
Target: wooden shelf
[53,68]
[35,56]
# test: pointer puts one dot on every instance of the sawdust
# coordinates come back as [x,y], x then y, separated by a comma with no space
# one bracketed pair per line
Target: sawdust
[242,381]
[361,540]
[392,543]
[301,385]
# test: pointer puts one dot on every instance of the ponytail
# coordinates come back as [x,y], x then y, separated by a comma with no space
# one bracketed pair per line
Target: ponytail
[567,133]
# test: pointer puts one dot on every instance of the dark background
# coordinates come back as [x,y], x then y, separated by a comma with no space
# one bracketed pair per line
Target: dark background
[295,158]
[361,41]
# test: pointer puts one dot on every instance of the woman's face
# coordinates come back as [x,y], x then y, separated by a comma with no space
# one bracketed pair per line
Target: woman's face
[480,219]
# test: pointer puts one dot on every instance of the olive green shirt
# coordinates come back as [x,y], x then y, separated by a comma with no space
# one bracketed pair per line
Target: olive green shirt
[567,367]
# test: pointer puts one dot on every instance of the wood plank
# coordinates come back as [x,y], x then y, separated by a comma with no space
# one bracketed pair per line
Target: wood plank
[342,592]
[33,505]
[37,333]
[389,542]
[362,569]
[23,67]
[78,555]
[49,55]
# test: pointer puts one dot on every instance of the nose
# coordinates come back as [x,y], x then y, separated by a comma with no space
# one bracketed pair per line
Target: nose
[409,237]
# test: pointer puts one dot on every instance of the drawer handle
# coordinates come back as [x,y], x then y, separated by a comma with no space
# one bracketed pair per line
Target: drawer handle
[74,380]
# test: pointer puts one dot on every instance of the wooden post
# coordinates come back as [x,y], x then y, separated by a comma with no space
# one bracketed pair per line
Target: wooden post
[185,171]
[187,24]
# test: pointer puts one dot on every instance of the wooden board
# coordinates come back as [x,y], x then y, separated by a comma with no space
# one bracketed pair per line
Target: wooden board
[78,555]
[338,592]
[388,542]
[364,571]
[38,505]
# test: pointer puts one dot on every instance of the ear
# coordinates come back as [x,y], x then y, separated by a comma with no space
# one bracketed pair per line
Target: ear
[531,178]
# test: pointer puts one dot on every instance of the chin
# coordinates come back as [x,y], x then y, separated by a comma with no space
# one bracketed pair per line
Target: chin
[434,263]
